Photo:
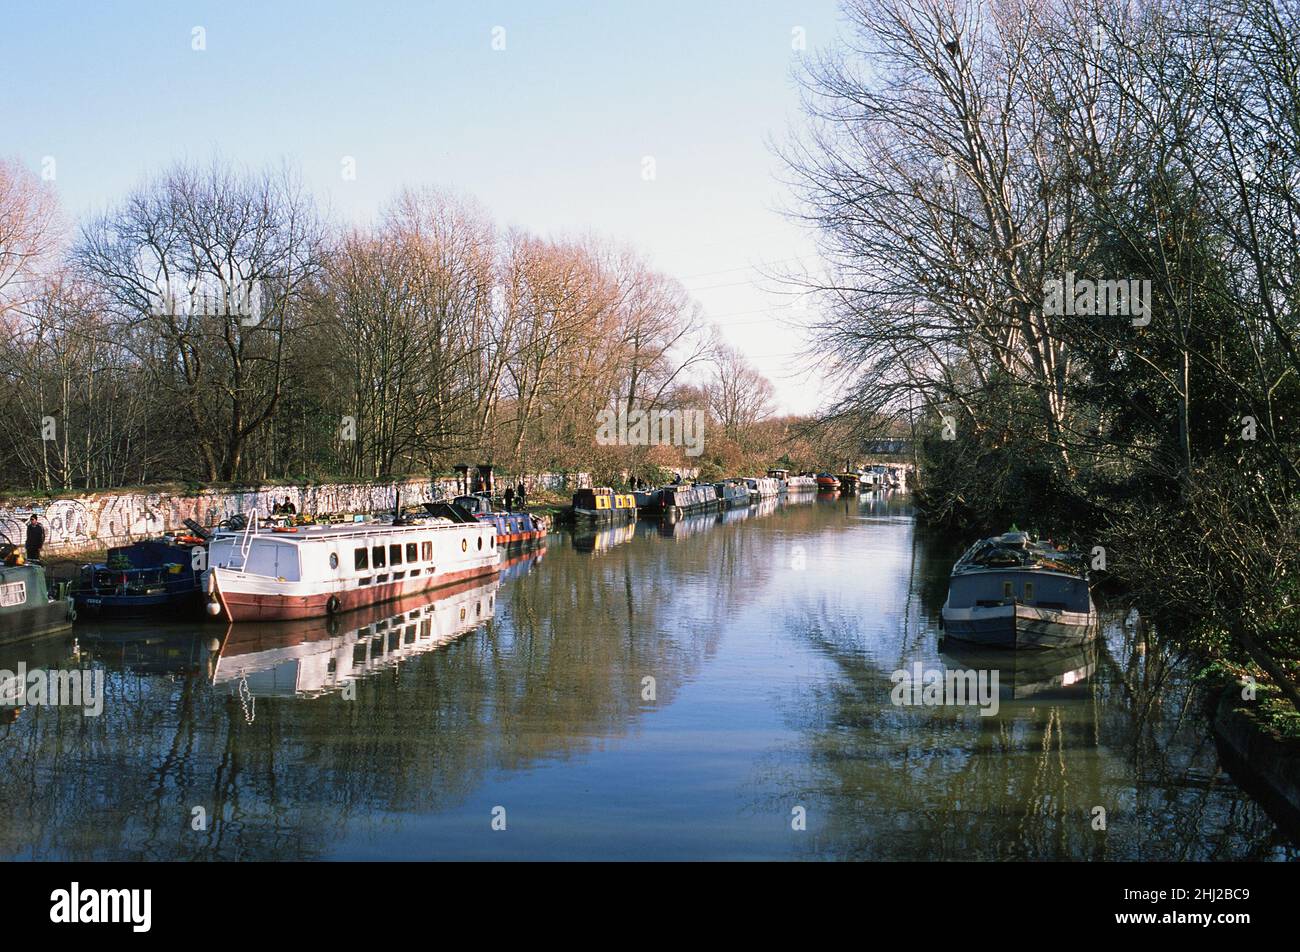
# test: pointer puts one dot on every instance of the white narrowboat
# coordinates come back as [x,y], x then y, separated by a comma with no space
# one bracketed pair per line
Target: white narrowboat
[313,570]
[763,487]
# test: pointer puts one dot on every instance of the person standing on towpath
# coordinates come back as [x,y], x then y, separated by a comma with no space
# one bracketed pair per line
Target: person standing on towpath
[35,539]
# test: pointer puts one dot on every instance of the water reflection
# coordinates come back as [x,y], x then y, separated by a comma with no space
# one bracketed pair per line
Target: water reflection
[318,656]
[1112,728]
[633,695]
[1045,675]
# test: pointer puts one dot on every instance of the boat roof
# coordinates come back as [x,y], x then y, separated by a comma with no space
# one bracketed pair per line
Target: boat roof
[347,530]
[1016,551]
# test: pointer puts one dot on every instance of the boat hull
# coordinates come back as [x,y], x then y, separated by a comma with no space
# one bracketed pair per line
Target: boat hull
[603,517]
[34,621]
[1019,626]
[249,599]
[139,606]
[513,529]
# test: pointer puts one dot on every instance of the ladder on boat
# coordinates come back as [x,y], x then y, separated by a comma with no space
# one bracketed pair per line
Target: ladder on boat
[245,543]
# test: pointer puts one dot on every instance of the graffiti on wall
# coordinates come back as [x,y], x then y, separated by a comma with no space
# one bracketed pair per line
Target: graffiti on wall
[100,520]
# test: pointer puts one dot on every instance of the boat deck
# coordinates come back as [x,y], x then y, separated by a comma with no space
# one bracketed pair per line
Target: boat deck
[347,530]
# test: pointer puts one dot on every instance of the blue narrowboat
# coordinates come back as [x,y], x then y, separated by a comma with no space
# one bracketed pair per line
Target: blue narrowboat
[513,528]
[155,576]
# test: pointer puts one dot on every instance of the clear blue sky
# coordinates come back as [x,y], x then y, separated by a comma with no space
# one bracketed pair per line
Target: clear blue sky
[549,133]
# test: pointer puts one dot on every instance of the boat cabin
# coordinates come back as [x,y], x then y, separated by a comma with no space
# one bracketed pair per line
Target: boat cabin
[26,610]
[1010,569]
[603,498]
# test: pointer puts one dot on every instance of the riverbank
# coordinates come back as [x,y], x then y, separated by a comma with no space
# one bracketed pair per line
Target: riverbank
[81,524]
[1262,760]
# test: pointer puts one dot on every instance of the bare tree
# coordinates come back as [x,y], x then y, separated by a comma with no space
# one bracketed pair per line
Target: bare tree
[28,231]
[216,266]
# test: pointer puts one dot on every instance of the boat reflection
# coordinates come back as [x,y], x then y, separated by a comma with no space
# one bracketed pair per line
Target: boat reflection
[601,540]
[208,651]
[52,652]
[688,526]
[521,563]
[1049,674]
[151,649]
[317,656]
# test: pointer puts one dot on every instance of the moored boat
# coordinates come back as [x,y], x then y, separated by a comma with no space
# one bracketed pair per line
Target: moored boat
[513,528]
[763,487]
[827,483]
[308,571]
[603,505]
[27,609]
[681,499]
[154,576]
[732,494]
[802,483]
[1010,592]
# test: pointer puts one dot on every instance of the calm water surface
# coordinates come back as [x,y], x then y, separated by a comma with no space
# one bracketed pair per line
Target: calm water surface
[770,637]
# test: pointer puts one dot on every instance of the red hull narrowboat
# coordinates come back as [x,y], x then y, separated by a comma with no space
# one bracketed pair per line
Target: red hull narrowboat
[321,570]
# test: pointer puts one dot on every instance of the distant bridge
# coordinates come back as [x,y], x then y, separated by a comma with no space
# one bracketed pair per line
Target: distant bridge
[887,447]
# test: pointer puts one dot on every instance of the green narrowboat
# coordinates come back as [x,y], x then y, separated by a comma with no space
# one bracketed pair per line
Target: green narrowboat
[26,609]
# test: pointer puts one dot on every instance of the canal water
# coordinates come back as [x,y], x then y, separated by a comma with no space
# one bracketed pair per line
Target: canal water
[719,689]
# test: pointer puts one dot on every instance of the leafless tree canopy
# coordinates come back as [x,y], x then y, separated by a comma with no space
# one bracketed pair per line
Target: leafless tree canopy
[213,327]
[965,157]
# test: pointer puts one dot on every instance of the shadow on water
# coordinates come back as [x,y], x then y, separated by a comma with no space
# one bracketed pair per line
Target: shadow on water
[650,690]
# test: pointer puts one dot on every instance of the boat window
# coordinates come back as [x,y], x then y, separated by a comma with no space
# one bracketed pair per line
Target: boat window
[426,551]
[480,542]
[362,558]
[334,560]
[1029,590]
[412,552]
[274,559]
[377,556]
[1007,590]
[13,593]
[395,554]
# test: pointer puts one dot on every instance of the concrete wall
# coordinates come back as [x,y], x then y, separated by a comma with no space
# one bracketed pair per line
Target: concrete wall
[99,520]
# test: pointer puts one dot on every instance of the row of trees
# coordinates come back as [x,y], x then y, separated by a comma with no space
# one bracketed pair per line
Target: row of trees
[213,327]
[968,162]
